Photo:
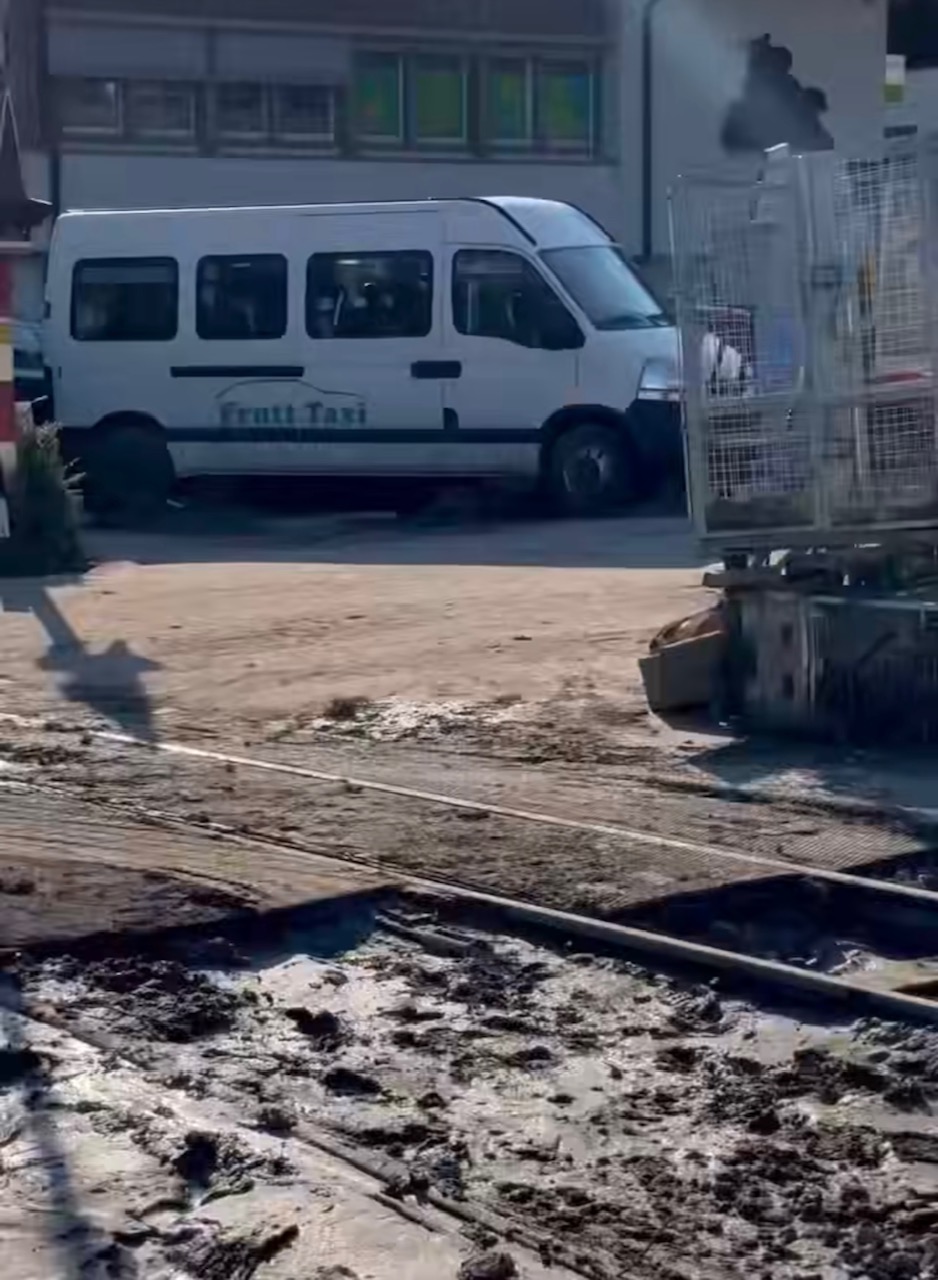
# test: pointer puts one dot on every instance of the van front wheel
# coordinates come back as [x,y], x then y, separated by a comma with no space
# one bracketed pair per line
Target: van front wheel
[588,471]
[128,474]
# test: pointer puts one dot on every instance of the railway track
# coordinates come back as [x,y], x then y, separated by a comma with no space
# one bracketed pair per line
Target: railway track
[921,819]
[669,956]
[877,895]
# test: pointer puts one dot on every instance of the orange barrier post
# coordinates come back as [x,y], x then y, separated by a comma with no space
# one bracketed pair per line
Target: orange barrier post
[18,215]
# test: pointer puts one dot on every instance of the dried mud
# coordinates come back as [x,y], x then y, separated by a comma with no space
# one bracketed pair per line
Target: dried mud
[617,1121]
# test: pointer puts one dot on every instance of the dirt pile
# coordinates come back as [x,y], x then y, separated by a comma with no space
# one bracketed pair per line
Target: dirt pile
[157,999]
[322,1027]
[911,1052]
[744,1091]
[210,1254]
[495,1265]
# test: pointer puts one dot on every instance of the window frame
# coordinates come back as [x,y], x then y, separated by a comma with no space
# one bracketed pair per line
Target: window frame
[369,253]
[381,139]
[278,134]
[435,141]
[242,257]
[133,131]
[92,131]
[223,136]
[161,260]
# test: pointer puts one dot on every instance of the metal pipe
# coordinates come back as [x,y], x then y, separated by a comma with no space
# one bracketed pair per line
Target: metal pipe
[648,128]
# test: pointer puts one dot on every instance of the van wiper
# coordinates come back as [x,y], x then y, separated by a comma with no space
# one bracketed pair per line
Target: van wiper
[635,320]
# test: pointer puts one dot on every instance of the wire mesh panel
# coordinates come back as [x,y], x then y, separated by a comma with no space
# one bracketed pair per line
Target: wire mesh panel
[758,468]
[874,670]
[887,477]
[865,240]
[807,325]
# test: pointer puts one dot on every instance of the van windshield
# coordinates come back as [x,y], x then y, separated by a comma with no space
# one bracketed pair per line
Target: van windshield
[600,280]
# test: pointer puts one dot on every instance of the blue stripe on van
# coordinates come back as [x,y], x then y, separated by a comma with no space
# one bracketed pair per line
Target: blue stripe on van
[351,435]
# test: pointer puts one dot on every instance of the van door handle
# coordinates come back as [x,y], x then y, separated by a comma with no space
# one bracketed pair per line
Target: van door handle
[426,369]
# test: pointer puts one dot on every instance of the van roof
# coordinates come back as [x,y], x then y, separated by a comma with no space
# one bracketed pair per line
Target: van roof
[543,223]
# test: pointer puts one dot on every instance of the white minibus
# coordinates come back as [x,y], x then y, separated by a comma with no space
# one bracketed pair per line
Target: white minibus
[475,337]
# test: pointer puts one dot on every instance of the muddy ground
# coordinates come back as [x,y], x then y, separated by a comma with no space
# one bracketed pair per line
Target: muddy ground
[257,634]
[595,872]
[531,1109]
[54,900]
[513,640]
[403,1093]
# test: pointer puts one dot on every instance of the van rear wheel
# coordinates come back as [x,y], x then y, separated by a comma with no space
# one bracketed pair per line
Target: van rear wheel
[128,474]
[589,471]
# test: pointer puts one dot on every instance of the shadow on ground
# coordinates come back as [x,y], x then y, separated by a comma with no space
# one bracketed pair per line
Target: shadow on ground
[649,541]
[109,683]
[69,1229]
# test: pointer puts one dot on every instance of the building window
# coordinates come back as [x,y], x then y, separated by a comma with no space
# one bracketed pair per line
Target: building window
[241,298]
[160,109]
[304,112]
[509,113]
[240,111]
[125,300]
[369,295]
[89,106]
[552,103]
[379,98]
[564,105]
[438,100]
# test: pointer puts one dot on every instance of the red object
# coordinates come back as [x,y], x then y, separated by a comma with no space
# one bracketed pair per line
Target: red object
[7,399]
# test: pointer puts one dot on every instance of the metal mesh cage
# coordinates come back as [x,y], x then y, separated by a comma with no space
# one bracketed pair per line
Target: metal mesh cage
[807,334]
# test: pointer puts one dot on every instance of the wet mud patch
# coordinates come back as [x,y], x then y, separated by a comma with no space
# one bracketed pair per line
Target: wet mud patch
[812,924]
[621,1121]
[153,999]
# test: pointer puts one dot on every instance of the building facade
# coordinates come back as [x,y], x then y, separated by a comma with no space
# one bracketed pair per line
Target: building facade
[145,103]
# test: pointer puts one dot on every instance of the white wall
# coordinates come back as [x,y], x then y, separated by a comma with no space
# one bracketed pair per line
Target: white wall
[128,181]
[838,46]
[29,271]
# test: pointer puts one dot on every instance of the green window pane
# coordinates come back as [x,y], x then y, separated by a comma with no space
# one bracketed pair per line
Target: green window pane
[508,109]
[378,97]
[564,99]
[439,99]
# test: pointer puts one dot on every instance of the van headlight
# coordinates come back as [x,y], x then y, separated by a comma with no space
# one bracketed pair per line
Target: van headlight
[660,380]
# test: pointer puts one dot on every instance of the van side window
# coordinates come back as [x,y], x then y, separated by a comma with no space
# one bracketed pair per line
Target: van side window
[497,294]
[369,295]
[125,300]
[241,297]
